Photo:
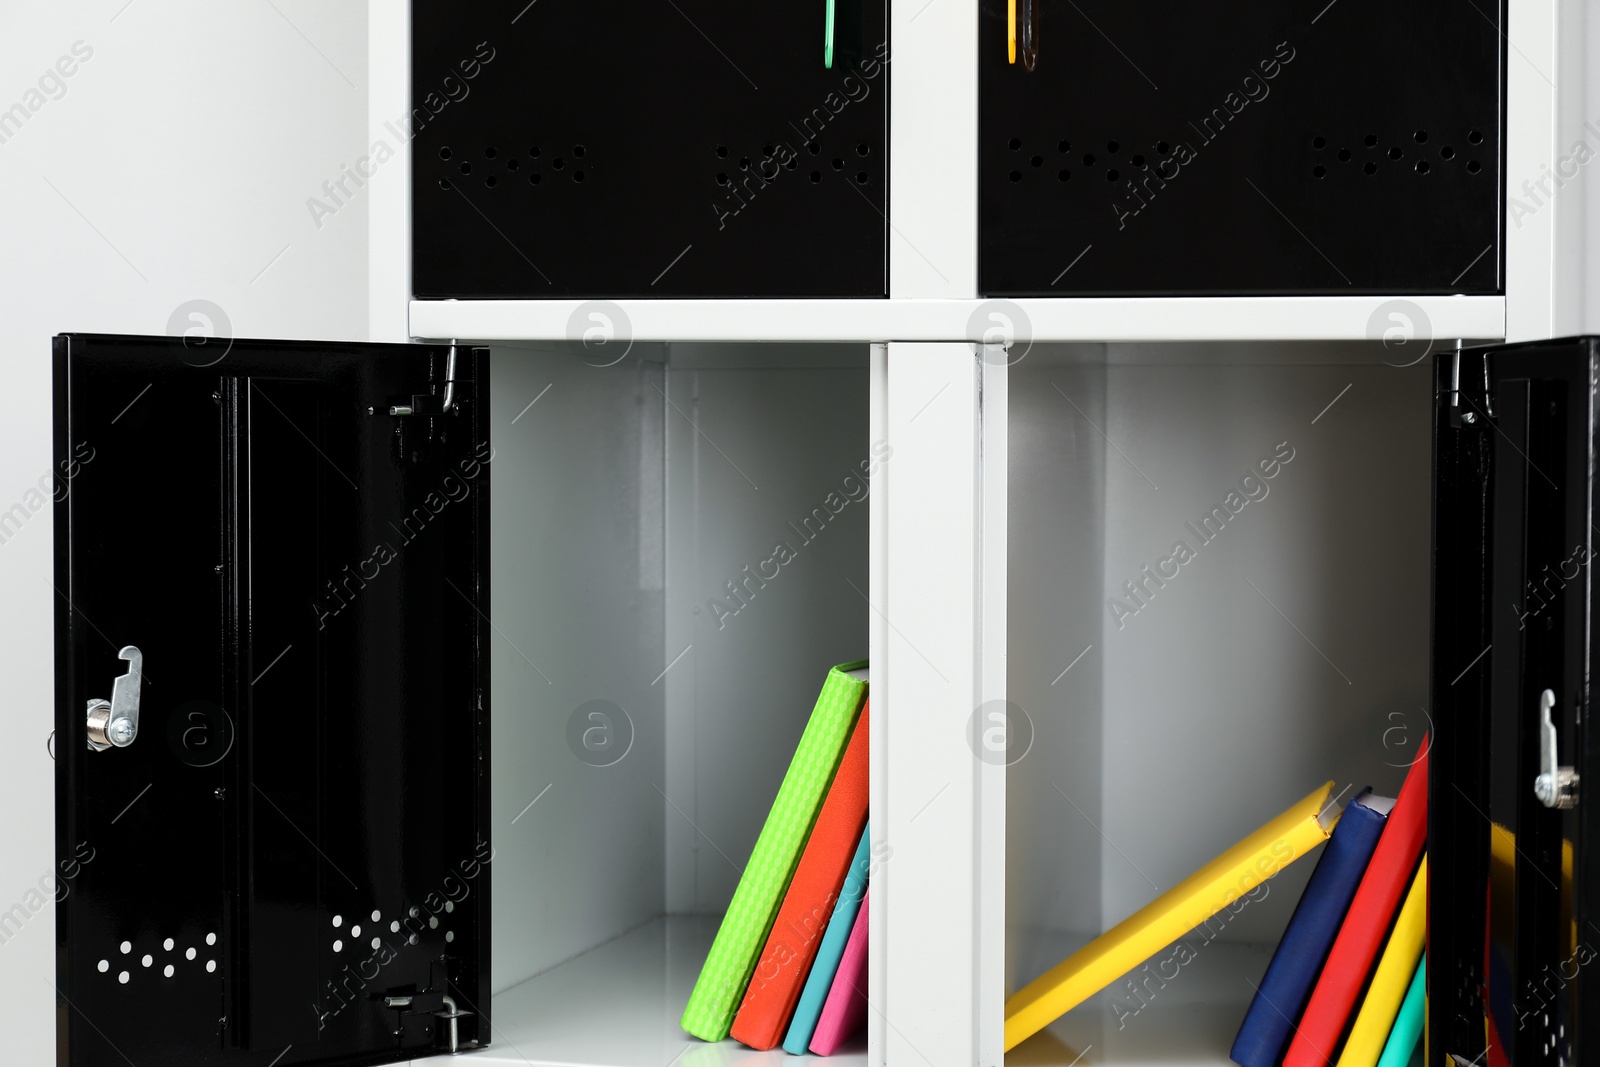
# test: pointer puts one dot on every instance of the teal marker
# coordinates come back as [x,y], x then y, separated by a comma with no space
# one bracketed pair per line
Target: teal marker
[827,37]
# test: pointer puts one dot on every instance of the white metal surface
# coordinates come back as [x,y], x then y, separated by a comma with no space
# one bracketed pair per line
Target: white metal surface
[389,187]
[1088,319]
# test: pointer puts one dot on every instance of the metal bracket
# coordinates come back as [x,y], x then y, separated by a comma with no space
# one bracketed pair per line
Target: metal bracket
[427,403]
[1556,786]
[439,1005]
[114,723]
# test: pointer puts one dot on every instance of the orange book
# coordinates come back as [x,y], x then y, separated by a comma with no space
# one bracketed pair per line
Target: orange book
[791,946]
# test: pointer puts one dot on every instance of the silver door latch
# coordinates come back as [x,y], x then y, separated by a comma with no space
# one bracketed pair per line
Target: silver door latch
[1557,786]
[114,723]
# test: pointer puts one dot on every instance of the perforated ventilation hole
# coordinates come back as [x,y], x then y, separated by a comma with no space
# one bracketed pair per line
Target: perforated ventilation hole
[722,179]
[444,153]
[767,151]
[533,153]
[1395,153]
[126,947]
[378,915]
[512,164]
[1421,137]
[376,943]
[1318,143]
[1037,161]
[1447,152]
[1015,175]
[577,175]
[863,150]
[466,168]
[813,147]
[444,183]
[394,927]
[557,163]
[211,939]
[789,164]
[167,944]
[837,164]
[1370,169]
[1064,146]
[1344,155]
[1063,175]
[490,181]
[722,151]
[1422,166]
[816,176]
[744,163]
[189,953]
[1088,160]
[489,153]
[1319,171]
[449,935]
[1473,167]
[1112,146]
[338,946]
[534,179]
[1164,148]
[211,966]
[861,177]
[449,906]
[104,966]
[1371,140]
[1016,144]
[577,151]
[1475,137]
[123,977]
[338,921]
[168,971]
[1138,161]
[433,922]
[1111,175]
[146,960]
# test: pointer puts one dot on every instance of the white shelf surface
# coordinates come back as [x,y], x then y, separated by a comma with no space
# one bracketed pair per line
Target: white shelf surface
[1190,1018]
[1279,318]
[618,1005]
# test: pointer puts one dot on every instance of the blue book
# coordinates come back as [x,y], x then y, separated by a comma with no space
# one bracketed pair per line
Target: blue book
[1316,921]
[809,1008]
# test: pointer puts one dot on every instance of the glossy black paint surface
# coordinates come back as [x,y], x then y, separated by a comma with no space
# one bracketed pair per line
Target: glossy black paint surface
[306,577]
[1514,534]
[1245,148]
[697,148]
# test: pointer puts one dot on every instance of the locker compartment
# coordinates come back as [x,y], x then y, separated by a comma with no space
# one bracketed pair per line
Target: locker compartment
[690,149]
[1260,149]
[1289,649]
[635,720]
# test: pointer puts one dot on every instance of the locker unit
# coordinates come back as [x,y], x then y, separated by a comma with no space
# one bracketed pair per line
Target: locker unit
[1513,644]
[336,727]
[730,161]
[1159,149]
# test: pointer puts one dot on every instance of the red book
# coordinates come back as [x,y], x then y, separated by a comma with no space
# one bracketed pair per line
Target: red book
[791,946]
[1377,899]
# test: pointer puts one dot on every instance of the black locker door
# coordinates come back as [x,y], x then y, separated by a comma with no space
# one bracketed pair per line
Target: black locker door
[1512,931]
[271,738]
[647,148]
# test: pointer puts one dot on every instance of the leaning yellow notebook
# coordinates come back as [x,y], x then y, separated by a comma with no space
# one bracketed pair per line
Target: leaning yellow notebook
[1167,918]
[1391,979]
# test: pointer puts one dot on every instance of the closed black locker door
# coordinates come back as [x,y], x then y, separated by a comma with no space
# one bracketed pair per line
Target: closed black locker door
[648,148]
[1510,936]
[1252,147]
[271,742]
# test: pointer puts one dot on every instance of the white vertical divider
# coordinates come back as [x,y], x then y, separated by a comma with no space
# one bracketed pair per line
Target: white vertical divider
[389,188]
[938,888]
[1532,129]
[878,730]
[994,422]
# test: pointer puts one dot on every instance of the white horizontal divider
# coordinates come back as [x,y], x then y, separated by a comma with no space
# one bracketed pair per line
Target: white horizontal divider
[934,895]
[1108,319]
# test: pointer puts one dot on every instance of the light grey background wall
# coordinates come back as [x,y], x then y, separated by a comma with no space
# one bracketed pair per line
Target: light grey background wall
[173,165]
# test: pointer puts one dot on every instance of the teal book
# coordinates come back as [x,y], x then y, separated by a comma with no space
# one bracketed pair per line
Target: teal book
[809,1008]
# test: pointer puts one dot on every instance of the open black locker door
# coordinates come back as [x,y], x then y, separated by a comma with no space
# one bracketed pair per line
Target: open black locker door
[271,738]
[1515,915]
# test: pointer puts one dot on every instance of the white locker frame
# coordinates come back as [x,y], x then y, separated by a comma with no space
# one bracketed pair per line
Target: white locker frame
[938,525]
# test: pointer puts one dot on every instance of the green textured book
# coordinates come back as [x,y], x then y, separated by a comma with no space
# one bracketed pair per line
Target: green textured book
[721,986]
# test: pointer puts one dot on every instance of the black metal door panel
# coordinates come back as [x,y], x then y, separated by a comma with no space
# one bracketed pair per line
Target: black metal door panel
[1248,148]
[651,148]
[298,829]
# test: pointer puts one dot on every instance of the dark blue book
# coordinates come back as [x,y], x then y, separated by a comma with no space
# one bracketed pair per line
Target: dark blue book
[1294,968]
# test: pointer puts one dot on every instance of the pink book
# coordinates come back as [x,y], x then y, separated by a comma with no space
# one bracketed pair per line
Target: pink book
[846,1007]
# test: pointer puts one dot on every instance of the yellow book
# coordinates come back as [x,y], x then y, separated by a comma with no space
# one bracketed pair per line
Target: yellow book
[1392,978]
[1158,924]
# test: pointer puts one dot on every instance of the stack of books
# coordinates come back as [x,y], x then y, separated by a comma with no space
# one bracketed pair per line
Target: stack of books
[1346,985]
[789,963]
